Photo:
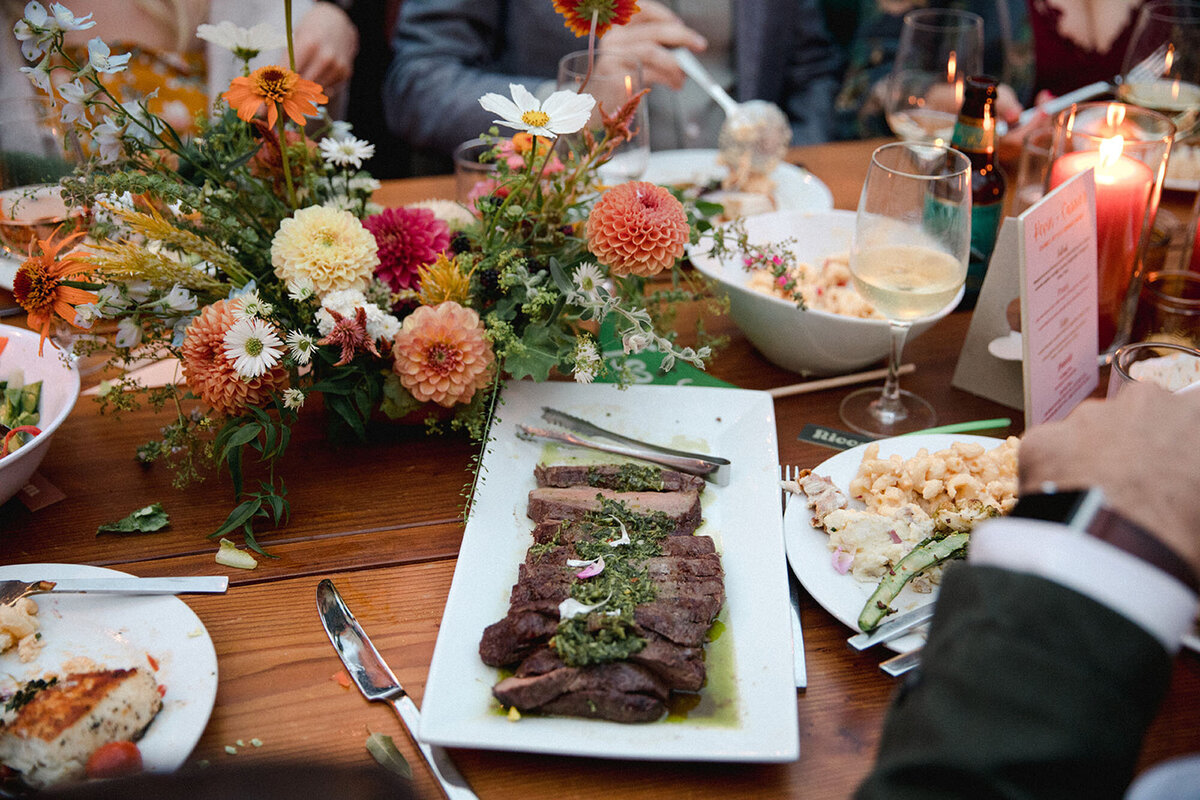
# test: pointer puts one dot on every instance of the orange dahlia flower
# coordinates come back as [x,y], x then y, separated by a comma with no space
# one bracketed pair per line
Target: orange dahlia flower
[211,374]
[38,285]
[637,228]
[277,87]
[579,14]
[441,354]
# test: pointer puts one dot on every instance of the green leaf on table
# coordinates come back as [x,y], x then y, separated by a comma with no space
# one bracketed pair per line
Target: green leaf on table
[383,749]
[535,355]
[145,520]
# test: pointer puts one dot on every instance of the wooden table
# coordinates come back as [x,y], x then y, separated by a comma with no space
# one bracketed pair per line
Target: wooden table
[383,520]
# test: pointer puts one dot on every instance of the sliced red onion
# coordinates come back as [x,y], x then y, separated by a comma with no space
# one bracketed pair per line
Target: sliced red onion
[842,561]
[570,608]
[592,569]
[624,540]
[895,536]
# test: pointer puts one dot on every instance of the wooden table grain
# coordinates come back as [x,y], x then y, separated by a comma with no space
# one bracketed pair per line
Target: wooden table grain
[383,520]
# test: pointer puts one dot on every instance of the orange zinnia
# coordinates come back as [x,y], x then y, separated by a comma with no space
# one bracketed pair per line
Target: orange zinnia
[607,13]
[277,87]
[38,285]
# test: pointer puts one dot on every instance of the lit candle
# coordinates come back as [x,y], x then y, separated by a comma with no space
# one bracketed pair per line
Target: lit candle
[1123,187]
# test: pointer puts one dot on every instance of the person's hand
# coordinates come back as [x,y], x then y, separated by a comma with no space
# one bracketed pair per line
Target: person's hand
[1140,448]
[649,37]
[326,42]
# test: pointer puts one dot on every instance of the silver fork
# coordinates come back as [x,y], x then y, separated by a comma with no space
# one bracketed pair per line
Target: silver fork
[800,671]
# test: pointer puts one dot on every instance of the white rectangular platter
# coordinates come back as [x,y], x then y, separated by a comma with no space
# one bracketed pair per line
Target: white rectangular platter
[750,666]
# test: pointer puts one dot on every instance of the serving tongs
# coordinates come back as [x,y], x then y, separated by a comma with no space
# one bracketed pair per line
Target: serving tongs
[711,468]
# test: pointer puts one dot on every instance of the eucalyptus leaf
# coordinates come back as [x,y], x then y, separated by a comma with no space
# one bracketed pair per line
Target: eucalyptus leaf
[145,520]
[383,749]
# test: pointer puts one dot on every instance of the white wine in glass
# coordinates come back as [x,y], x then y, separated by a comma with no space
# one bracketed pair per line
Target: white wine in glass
[938,49]
[908,256]
[1161,69]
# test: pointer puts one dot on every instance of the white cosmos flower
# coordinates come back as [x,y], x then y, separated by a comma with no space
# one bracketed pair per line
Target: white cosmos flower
[245,43]
[346,151]
[101,59]
[253,346]
[562,112]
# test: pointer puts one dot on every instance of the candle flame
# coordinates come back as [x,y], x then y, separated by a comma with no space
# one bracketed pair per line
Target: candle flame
[1115,115]
[952,67]
[1110,151]
[1168,59]
[629,86]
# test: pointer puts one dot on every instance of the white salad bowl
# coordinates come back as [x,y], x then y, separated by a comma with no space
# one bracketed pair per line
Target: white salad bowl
[60,390]
[807,341]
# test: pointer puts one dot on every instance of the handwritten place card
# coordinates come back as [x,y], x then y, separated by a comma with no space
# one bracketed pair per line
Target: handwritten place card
[1045,262]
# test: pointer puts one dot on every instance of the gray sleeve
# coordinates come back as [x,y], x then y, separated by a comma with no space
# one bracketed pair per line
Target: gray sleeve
[449,53]
[812,75]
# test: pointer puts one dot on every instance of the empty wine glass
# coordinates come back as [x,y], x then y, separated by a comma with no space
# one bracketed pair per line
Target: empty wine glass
[908,256]
[1161,69]
[938,49]
[612,79]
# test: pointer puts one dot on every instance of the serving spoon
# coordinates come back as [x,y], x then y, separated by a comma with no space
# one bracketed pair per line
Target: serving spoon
[755,134]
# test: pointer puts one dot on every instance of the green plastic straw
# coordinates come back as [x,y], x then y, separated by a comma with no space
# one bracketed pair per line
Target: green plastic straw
[964,427]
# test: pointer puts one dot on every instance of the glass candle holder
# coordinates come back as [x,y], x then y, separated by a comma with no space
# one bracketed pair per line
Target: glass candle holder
[1127,146]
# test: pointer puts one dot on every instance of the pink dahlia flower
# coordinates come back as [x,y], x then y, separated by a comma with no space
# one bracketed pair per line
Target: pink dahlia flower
[408,238]
[637,228]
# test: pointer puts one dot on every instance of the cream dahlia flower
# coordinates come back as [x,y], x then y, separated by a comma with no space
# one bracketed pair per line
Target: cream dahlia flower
[326,246]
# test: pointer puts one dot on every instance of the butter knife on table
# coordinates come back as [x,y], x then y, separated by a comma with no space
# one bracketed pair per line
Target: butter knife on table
[375,680]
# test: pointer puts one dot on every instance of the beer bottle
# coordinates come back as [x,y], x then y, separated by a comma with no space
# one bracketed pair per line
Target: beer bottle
[975,137]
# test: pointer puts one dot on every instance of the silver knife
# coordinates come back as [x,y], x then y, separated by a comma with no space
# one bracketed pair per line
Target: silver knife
[898,665]
[901,623]
[213,584]
[371,674]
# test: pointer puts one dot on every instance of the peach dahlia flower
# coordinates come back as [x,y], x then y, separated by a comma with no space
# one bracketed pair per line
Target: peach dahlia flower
[211,374]
[637,228]
[441,354]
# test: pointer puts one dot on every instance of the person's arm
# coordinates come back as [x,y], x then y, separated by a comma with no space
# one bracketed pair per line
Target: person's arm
[449,53]
[1051,650]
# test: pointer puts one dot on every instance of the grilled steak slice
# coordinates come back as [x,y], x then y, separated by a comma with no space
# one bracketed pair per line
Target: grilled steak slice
[570,531]
[683,620]
[683,508]
[52,736]
[679,667]
[518,633]
[673,577]
[610,476]
[619,691]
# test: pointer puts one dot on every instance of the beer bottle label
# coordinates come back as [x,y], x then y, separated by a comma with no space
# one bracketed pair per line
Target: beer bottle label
[970,136]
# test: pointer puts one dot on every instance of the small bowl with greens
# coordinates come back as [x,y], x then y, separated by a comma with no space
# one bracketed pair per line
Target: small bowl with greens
[36,395]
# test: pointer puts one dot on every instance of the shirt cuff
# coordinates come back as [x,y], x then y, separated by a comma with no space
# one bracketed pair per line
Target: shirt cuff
[1144,594]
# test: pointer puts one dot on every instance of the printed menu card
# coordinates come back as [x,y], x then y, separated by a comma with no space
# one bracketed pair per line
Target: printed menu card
[1045,264]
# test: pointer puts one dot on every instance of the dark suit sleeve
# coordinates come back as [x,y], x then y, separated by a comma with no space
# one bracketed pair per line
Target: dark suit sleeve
[1027,690]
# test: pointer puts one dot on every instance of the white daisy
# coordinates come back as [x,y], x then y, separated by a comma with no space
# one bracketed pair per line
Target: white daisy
[253,346]
[245,43]
[101,59]
[588,278]
[346,151]
[301,346]
[562,112]
[300,288]
[293,399]
[252,305]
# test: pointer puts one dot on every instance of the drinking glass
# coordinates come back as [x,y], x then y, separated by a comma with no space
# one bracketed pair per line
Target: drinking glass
[938,49]
[1161,69]
[613,78]
[908,256]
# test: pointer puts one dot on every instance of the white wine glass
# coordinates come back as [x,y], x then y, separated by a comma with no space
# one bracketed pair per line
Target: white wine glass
[612,79]
[938,49]
[908,256]
[1161,69]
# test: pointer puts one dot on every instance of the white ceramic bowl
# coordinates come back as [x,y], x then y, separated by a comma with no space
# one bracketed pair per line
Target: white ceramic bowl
[60,390]
[808,341]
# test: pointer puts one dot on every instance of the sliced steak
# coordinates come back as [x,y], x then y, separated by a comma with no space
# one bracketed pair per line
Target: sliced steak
[680,667]
[620,691]
[571,531]
[608,476]
[683,508]
[518,633]
[604,704]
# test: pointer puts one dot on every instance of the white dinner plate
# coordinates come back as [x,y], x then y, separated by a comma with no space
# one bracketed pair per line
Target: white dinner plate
[808,552]
[8,270]
[795,188]
[748,707]
[119,632]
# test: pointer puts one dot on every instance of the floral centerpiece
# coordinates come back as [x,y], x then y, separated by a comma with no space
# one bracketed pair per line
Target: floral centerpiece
[253,253]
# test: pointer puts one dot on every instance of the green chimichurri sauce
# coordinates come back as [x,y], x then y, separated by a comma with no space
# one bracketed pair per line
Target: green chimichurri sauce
[628,478]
